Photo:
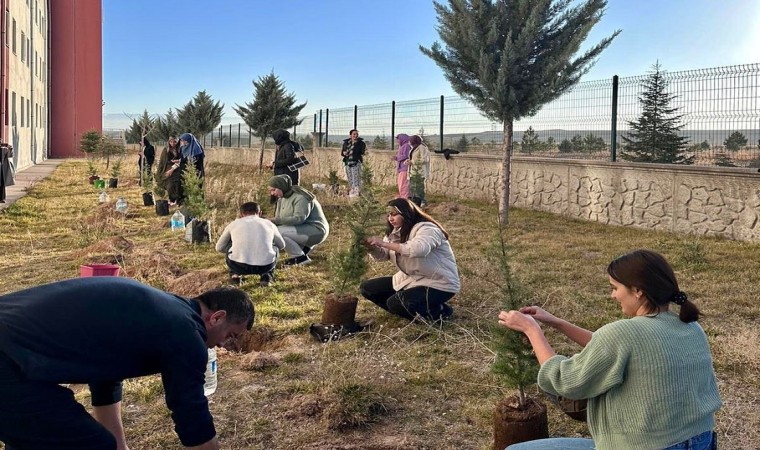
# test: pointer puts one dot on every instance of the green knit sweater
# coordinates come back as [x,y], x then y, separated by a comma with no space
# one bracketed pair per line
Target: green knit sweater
[649,382]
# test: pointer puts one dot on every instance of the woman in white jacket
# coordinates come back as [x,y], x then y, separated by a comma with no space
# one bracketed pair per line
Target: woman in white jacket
[428,276]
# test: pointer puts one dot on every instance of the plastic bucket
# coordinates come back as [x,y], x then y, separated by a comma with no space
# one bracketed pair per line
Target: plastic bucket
[100,184]
[99,270]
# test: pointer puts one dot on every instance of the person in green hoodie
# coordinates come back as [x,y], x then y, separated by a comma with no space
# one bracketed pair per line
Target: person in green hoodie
[649,379]
[299,218]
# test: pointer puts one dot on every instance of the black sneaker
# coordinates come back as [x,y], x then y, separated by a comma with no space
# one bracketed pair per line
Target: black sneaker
[236,280]
[297,261]
[306,249]
[266,280]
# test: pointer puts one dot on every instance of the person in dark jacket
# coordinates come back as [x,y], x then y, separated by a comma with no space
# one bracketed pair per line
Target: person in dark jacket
[170,168]
[353,156]
[147,157]
[285,155]
[192,150]
[6,174]
[100,331]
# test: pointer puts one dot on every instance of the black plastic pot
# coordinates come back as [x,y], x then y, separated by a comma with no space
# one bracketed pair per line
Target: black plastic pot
[200,231]
[113,183]
[148,199]
[93,178]
[162,207]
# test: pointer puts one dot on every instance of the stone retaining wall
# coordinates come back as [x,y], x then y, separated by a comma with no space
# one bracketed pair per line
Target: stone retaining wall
[706,201]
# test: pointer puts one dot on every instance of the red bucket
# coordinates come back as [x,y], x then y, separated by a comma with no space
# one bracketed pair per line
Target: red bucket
[99,270]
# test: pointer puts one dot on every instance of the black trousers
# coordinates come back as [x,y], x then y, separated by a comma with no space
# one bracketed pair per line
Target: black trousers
[423,301]
[38,415]
[237,268]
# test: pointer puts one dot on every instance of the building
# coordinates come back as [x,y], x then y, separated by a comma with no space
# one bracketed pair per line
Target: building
[51,76]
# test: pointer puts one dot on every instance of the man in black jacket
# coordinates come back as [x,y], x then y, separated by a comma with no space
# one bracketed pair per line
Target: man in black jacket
[100,331]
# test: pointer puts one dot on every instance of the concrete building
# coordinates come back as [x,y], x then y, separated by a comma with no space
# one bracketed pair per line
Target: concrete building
[51,76]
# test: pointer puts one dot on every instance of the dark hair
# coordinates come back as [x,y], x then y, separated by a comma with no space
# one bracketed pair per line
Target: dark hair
[145,141]
[351,131]
[250,208]
[412,215]
[234,301]
[415,141]
[650,272]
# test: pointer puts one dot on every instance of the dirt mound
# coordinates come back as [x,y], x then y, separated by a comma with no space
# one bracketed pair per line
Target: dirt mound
[117,245]
[307,405]
[255,340]
[151,266]
[259,361]
[197,282]
[378,443]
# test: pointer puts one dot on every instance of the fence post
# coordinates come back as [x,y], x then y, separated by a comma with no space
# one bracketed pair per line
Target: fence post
[327,127]
[440,129]
[295,131]
[238,143]
[221,137]
[356,113]
[320,128]
[250,137]
[613,137]
[230,135]
[393,122]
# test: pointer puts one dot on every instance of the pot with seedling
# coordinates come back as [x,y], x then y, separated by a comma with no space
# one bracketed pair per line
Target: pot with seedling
[115,151]
[349,266]
[90,145]
[159,196]
[333,182]
[194,206]
[147,185]
[517,418]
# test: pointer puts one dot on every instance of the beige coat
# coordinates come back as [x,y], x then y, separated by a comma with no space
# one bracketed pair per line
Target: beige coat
[420,159]
[425,259]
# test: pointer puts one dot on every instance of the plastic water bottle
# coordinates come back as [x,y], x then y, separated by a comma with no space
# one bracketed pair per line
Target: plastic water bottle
[121,205]
[103,197]
[178,221]
[209,387]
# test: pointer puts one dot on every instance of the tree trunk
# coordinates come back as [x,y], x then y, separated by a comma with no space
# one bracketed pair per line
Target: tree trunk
[261,155]
[506,171]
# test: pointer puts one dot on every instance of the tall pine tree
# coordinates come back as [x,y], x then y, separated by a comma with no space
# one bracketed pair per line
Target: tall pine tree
[271,109]
[167,126]
[510,57]
[200,116]
[654,137]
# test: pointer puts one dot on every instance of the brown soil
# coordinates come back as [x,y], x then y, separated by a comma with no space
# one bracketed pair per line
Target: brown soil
[513,424]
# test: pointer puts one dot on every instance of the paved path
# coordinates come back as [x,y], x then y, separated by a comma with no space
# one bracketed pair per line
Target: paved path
[28,177]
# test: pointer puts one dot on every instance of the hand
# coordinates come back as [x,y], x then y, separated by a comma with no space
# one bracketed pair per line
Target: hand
[539,314]
[407,162]
[517,321]
[374,241]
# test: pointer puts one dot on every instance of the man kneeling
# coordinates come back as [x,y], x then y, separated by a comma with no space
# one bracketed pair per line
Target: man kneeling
[100,331]
[251,244]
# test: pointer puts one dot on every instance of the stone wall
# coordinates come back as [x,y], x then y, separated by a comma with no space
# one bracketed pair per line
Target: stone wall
[706,201]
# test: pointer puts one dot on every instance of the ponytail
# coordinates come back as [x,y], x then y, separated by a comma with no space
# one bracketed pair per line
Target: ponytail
[689,311]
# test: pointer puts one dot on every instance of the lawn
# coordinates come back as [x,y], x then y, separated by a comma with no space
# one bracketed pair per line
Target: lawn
[400,385]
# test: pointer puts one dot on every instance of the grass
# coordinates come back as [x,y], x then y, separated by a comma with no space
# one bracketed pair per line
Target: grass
[399,385]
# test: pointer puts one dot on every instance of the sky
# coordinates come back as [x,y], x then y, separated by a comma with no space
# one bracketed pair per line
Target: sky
[157,54]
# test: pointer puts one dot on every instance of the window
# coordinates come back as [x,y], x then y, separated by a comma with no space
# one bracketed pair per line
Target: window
[6,104]
[23,103]
[13,108]
[14,35]
[36,64]
[28,113]
[29,54]
[23,47]
[7,34]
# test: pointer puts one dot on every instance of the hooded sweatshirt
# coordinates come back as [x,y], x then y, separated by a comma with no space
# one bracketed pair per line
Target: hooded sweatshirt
[402,154]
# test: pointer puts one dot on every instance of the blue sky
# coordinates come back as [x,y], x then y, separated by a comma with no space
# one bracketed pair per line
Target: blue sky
[336,53]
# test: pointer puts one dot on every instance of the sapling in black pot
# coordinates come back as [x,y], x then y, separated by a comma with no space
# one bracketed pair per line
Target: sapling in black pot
[350,264]
[147,185]
[194,206]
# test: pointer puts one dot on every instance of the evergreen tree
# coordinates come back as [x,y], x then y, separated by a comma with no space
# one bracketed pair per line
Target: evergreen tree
[723,160]
[550,144]
[510,57]
[530,141]
[271,109]
[577,143]
[200,115]
[593,143]
[654,136]
[735,141]
[167,126]
[462,144]
[380,142]
[565,146]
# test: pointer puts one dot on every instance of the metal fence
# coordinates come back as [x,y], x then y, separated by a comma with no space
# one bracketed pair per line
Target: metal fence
[586,122]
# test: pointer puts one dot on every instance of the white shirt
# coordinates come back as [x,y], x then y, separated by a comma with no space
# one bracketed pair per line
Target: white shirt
[253,241]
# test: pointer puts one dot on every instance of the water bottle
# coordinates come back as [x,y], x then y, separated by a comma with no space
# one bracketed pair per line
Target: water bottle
[178,221]
[121,205]
[209,387]
[103,197]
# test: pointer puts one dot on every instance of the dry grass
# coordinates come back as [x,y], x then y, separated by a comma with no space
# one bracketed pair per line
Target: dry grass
[398,385]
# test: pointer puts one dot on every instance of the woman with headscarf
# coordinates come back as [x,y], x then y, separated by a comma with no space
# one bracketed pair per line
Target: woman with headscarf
[6,173]
[147,157]
[402,168]
[169,173]
[285,155]
[419,169]
[192,151]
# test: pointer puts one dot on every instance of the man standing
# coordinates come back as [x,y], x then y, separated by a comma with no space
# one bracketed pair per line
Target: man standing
[251,244]
[299,217]
[100,331]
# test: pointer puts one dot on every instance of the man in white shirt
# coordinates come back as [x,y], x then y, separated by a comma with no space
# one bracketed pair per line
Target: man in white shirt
[251,244]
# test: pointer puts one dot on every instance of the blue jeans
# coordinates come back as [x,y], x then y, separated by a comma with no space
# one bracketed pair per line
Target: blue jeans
[555,444]
[703,441]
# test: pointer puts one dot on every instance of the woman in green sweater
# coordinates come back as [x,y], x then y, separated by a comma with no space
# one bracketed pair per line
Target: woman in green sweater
[649,380]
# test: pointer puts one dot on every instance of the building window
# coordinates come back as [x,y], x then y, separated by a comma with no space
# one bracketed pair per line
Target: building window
[6,106]
[13,108]
[14,35]
[29,54]
[23,47]
[23,115]
[28,113]
[7,29]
